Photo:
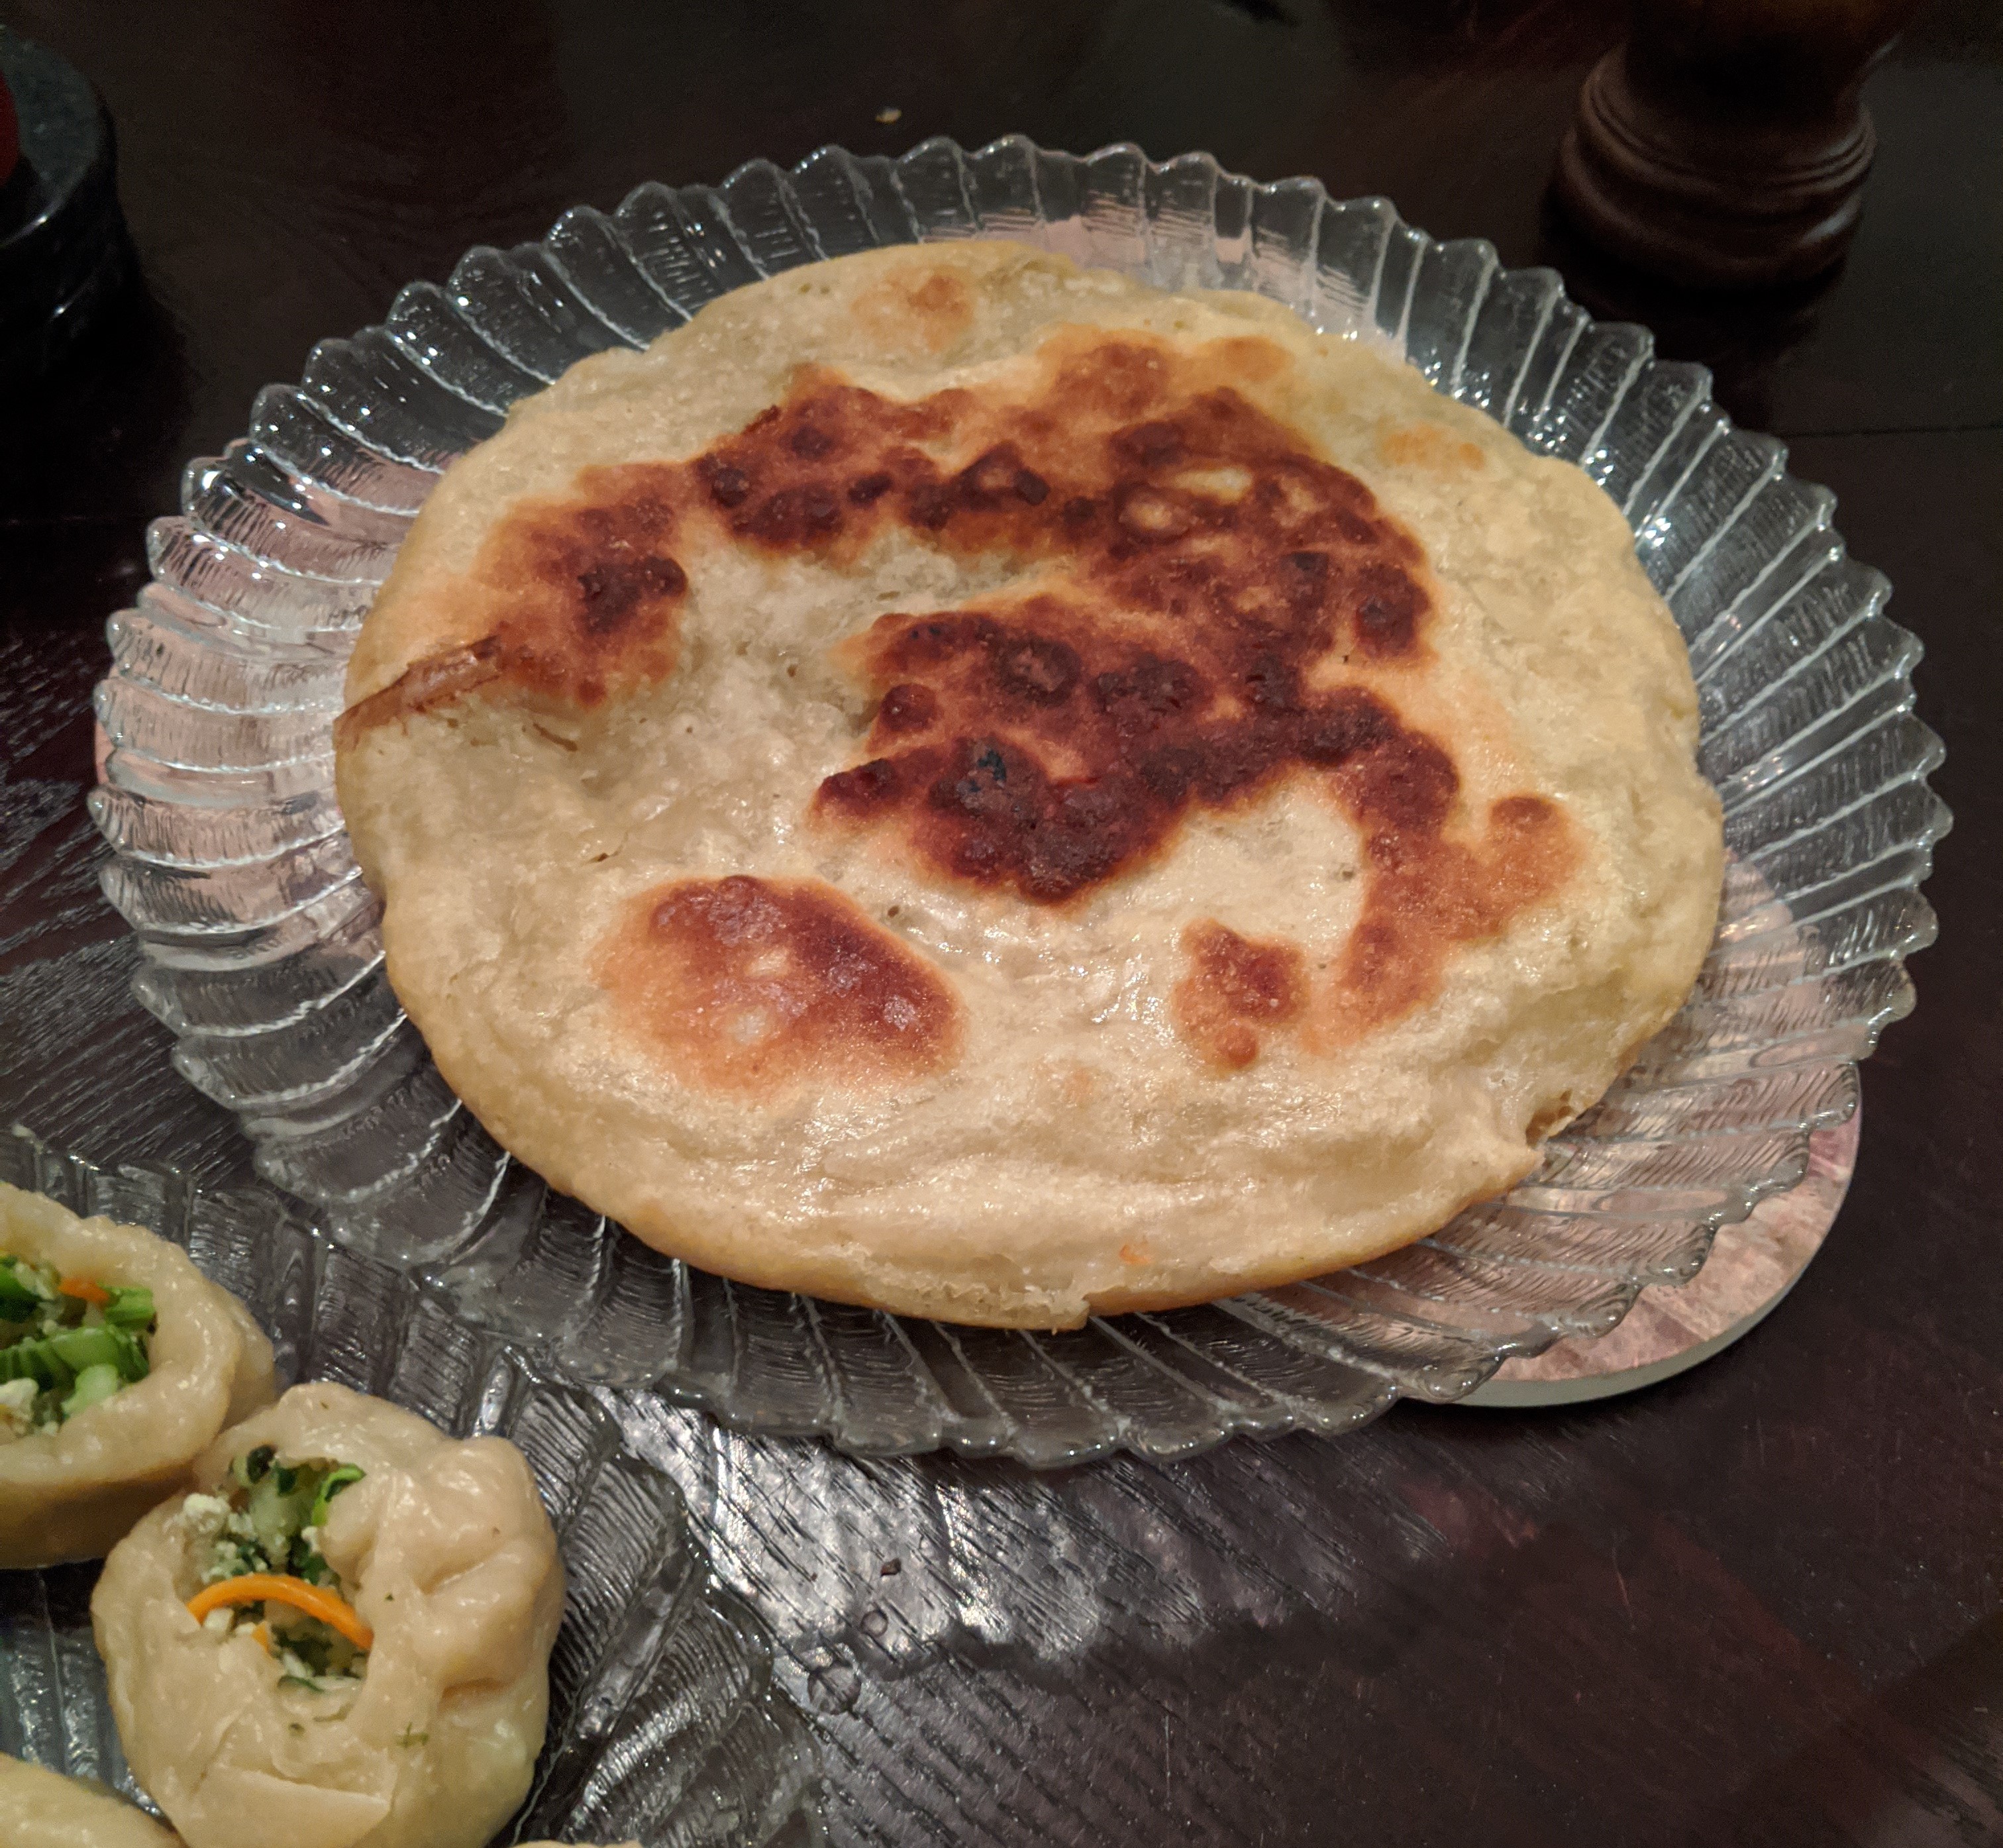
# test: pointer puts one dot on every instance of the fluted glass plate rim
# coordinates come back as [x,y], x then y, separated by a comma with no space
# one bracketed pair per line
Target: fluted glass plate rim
[523,306]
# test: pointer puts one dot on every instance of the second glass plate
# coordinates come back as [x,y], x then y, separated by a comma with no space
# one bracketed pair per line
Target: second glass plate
[665,1724]
[260,942]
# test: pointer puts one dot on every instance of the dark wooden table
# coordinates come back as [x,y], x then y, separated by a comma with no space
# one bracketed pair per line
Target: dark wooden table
[1761,1603]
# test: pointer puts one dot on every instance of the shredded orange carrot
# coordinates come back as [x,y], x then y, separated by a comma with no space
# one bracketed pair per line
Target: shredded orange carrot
[270,1587]
[85,1291]
[261,1635]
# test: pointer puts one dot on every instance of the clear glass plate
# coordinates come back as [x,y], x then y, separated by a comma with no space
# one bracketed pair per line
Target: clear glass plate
[261,950]
[665,1723]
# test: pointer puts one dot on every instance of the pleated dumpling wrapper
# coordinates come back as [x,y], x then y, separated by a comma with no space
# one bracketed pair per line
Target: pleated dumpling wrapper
[119,1362]
[341,1638]
[41,1809]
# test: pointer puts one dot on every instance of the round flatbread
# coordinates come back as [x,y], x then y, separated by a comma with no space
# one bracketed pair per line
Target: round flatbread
[960,783]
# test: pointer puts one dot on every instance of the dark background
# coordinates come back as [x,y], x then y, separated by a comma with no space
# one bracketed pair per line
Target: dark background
[1761,1603]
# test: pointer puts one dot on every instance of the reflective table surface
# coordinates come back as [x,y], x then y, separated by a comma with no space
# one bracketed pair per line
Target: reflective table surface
[1760,1603]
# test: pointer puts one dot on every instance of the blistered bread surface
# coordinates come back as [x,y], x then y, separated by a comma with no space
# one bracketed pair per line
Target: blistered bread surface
[963,784]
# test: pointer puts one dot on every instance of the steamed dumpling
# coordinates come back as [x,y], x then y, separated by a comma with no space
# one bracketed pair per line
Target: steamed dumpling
[41,1809]
[341,1638]
[119,1362]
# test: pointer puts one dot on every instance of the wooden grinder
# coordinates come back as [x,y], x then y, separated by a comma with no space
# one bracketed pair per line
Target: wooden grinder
[1725,144]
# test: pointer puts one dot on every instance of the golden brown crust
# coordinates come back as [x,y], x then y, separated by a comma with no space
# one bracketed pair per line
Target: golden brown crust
[1428,896]
[918,307]
[571,600]
[1236,991]
[757,987]
[1155,492]
[1287,776]
[1208,583]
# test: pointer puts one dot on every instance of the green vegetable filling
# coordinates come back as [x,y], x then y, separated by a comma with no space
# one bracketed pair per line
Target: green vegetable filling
[61,1349]
[267,1518]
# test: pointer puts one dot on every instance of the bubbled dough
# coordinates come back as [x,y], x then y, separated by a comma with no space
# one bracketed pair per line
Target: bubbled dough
[454,1566]
[1078,1155]
[70,1494]
[41,1808]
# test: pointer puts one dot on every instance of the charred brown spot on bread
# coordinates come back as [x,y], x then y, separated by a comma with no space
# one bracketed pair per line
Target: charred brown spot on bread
[1094,747]
[1210,582]
[907,708]
[611,592]
[1142,476]
[1236,992]
[579,597]
[587,587]
[755,987]
[1206,589]
[1139,474]
[1428,893]
[1203,564]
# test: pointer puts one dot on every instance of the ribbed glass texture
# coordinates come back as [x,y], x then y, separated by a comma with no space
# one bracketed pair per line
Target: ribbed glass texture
[262,951]
[665,1724]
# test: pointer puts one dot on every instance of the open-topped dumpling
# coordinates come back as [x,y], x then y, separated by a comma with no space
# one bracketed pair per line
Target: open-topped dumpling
[340,1639]
[119,1363]
[42,1809]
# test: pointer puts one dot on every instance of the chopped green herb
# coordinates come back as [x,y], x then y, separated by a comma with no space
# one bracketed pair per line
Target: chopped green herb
[94,1385]
[75,1344]
[131,1307]
[339,1480]
[17,1301]
[315,1571]
[263,1519]
[254,1465]
[78,1348]
[28,1360]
